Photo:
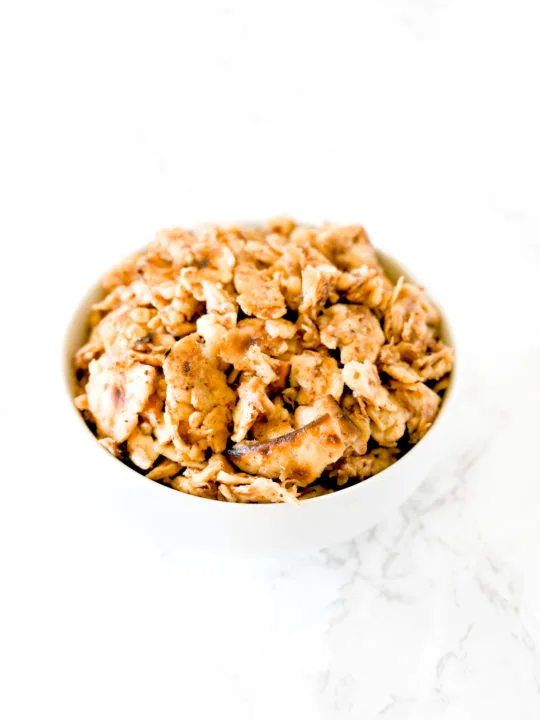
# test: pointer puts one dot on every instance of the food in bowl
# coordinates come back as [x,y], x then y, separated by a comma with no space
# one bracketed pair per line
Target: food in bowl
[266,364]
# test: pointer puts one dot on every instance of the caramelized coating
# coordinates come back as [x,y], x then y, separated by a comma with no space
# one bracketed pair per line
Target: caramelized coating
[422,404]
[116,396]
[142,449]
[303,454]
[252,402]
[259,293]
[364,465]
[260,364]
[279,422]
[238,487]
[198,400]
[388,417]
[354,329]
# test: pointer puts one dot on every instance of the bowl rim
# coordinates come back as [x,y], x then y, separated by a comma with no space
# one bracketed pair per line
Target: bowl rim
[109,461]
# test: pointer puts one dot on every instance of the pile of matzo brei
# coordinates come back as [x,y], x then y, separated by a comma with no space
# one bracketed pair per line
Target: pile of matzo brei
[260,364]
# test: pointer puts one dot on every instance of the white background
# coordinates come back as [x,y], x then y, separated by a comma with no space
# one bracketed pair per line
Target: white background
[418,118]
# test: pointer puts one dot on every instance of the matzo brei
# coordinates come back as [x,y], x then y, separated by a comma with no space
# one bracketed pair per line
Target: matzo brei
[260,364]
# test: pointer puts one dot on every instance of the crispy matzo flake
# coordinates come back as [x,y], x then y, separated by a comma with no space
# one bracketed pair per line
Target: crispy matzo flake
[116,396]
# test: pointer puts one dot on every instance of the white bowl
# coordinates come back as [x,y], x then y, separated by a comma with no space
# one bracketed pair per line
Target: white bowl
[174,517]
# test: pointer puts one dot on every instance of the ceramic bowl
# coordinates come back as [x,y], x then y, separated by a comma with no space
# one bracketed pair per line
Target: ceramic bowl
[158,512]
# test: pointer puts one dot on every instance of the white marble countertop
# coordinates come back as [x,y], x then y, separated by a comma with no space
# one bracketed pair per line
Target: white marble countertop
[419,119]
